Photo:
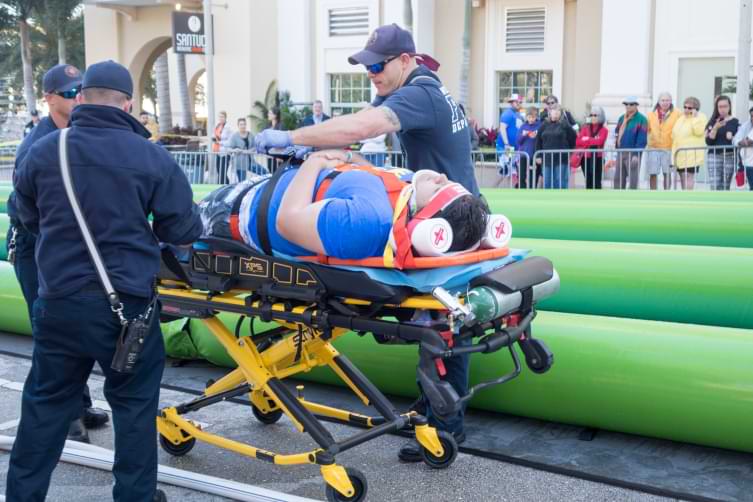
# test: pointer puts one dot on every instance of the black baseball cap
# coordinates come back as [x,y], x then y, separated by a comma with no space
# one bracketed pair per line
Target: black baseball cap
[61,78]
[109,75]
[387,41]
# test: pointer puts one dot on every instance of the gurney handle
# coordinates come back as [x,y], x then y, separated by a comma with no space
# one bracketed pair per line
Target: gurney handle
[495,341]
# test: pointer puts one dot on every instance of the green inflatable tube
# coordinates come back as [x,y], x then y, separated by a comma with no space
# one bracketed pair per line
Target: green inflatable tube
[687,284]
[4,224]
[675,381]
[14,316]
[652,217]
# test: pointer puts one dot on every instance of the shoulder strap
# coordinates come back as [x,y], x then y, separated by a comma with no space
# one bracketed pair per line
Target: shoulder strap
[91,246]
[262,225]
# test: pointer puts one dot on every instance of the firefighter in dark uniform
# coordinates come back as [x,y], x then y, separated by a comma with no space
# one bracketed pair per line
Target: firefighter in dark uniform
[61,85]
[120,179]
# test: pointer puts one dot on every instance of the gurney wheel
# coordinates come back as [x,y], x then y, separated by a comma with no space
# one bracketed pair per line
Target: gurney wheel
[450,452]
[359,485]
[267,418]
[177,450]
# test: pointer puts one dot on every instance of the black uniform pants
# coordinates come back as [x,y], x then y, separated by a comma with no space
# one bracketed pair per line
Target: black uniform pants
[69,335]
[26,273]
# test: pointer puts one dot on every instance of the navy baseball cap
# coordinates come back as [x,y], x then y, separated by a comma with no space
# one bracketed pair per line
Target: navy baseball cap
[109,75]
[61,78]
[387,41]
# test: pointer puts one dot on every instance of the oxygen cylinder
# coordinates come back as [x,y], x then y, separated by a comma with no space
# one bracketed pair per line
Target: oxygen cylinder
[487,303]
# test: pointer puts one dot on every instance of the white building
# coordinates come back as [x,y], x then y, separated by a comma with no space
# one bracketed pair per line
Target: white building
[584,51]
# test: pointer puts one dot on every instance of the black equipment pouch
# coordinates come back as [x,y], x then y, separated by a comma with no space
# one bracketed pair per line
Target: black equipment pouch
[133,333]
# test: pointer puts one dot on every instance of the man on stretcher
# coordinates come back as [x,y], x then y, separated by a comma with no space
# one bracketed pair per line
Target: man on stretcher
[348,212]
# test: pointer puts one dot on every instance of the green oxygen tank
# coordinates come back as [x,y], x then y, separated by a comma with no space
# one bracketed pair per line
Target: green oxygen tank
[487,303]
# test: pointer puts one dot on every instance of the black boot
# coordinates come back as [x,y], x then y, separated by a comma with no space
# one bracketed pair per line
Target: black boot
[77,431]
[94,417]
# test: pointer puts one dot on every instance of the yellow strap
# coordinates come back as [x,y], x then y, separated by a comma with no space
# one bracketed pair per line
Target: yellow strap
[402,201]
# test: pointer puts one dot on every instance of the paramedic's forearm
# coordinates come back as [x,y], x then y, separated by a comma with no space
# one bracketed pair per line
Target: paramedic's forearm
[347,129]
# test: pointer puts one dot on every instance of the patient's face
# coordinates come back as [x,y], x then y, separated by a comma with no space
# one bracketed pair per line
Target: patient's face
[427,183]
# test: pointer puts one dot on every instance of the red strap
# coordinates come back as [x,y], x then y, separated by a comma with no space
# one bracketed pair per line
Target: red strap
[449,337]
[235,227]
[440,367]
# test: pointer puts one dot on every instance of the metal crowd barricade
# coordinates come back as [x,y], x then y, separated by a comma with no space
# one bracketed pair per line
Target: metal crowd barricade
[599,168]
[709,167]
[494,169]
[7,160]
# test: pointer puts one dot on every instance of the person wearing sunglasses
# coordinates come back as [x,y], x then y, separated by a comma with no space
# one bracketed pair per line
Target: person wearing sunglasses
[592,136]
[632,135]
[689,142]
[410,101]
[61,85]
[434,133]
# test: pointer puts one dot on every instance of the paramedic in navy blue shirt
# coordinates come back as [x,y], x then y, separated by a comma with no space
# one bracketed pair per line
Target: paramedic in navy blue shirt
[433,131]
[61,85]
[121,179]
[411,101]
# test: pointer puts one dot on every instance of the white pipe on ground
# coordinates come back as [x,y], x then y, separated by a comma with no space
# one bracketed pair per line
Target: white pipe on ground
[101,458]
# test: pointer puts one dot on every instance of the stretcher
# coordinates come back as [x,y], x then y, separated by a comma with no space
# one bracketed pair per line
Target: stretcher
[314,304]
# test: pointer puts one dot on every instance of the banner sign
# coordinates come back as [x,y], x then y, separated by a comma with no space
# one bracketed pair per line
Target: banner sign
[188,33]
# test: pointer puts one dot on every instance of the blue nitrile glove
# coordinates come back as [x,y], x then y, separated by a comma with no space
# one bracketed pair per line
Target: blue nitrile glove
[302,151]
[272,138]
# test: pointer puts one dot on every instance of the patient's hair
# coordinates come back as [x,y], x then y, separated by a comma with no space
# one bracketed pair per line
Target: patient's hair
[467,216]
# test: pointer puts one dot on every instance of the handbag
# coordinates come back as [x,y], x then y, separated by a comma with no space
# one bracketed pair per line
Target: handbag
[575,159]
[132,331]
[740,177]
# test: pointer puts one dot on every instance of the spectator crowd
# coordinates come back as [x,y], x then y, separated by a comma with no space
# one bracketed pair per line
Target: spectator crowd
[544,148]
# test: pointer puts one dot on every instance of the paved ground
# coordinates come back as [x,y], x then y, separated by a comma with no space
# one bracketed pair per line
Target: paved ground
[471,478]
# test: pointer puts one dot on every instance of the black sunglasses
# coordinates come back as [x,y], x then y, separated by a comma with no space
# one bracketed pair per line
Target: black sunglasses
[379,67]
[551,102]
[689,107]
[70,94]
[594,115]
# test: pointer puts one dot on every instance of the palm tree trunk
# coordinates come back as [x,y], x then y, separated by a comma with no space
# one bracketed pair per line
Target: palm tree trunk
[61,46]
[465,63]
[408,15]
[162,76]
[186,115]
[23,30]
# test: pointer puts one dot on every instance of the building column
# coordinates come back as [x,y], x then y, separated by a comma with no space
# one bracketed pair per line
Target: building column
[296,57]
[625,55]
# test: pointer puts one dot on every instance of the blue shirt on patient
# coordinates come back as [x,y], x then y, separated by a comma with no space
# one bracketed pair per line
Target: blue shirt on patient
[355,223]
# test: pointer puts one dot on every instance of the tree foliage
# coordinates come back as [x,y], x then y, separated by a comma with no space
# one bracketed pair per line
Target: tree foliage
[291,116]
[48,19]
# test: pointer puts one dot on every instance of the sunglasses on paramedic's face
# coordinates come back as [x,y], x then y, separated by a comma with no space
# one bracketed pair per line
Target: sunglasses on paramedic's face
[71,94]
[379,67]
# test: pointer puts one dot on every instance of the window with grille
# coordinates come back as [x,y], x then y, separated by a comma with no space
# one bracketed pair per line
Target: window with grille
[348,92]
[525,30]
[348,21]
[532,86]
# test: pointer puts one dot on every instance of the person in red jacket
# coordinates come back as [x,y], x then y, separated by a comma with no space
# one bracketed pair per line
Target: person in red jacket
[592,135]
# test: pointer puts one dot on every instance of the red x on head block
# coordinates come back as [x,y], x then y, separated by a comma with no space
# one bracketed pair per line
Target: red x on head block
[439,236]
[499,230]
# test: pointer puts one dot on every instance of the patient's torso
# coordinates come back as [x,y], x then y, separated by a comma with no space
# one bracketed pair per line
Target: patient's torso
[354,224]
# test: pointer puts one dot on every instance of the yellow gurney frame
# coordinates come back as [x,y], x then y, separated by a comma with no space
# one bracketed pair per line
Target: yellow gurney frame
[308,324]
